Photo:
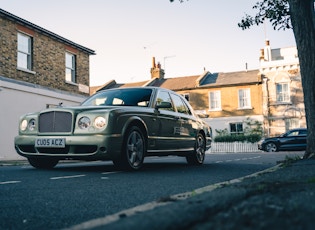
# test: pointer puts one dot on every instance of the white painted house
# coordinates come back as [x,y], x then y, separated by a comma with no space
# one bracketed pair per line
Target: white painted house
[18,98]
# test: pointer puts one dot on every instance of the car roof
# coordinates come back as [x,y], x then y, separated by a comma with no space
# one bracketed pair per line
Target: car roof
[298,129]
[154,88]
[138,87]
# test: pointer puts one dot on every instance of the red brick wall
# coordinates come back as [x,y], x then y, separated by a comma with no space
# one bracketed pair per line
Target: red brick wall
[48,59]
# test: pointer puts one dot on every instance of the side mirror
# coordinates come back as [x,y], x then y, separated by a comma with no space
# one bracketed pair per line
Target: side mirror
[163,105]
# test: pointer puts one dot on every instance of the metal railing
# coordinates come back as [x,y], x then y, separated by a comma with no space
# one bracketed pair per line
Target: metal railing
[233,147]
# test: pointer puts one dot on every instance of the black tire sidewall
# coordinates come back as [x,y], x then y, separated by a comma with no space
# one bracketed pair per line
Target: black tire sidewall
[125,163]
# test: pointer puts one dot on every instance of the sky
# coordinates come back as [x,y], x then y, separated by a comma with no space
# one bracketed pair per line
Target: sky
[186,38]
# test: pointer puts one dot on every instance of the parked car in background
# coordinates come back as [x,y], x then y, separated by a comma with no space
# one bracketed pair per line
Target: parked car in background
[294,139]
[123,125]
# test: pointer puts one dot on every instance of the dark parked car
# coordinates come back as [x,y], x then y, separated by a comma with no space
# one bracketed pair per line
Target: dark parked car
[294,139]
[123,125]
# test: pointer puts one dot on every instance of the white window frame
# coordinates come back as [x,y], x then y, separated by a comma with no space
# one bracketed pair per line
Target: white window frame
[70,63]
[215,100]
[24,51]
[237,125]
[292,123]
[244,99]
[282,95]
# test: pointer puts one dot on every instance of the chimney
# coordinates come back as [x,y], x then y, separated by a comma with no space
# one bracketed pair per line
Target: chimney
[262,55]
[156,70]
[267,51]
[153,62]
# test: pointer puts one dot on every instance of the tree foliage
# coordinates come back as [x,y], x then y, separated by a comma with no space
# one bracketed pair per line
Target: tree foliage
[300,16]
[250,138]
[276,11]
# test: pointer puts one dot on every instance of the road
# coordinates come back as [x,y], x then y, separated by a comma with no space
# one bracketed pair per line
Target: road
[73,193]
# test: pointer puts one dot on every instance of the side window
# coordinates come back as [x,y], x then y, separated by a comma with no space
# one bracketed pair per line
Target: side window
[291,123]
[215,100]
[236,128]
[164,96]
[293,133]
[181,107]
[70,67]
[187,108]
[282,92]
[244,98]
[24,57]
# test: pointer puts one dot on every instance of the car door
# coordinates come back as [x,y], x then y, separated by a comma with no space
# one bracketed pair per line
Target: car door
[186,130]
[169,122]
[289,140]
[301,139]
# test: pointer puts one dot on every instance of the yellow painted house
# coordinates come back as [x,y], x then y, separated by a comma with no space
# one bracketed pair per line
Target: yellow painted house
[227,99]
[272,95]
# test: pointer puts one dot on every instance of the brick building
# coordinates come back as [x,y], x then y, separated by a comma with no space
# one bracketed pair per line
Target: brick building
[33,54]
[38,69]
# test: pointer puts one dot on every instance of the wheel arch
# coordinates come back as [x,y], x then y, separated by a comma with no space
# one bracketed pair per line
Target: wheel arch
[136,121]
[202,132]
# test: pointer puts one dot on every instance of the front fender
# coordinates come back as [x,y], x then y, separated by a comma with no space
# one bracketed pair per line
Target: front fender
[134,120]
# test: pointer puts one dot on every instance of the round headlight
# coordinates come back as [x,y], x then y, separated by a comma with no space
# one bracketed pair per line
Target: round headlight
[32,125]
[99,122]
[23,125]
[84,122]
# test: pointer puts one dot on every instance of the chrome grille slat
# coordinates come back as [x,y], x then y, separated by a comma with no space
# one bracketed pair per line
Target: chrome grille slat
[55,122]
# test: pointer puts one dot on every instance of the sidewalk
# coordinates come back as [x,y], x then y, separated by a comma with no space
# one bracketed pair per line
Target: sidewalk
[281,199]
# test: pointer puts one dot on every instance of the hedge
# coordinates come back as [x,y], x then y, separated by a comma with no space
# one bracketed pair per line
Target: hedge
[252,138]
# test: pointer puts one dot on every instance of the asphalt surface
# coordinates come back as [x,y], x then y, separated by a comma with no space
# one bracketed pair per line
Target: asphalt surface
[282,197]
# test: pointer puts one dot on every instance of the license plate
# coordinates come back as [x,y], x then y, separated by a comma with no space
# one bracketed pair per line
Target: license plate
[50,142]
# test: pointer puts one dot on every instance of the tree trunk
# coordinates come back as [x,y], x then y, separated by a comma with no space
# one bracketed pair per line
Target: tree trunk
[303,22]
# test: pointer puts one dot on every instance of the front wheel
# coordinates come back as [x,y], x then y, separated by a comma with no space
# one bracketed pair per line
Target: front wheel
[198,156]
[271,147]
[133,150]
[43,163]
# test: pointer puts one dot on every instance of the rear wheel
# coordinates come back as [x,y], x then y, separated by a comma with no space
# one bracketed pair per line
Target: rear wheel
[43,163]
[133,150]
[271,147]
[198,156]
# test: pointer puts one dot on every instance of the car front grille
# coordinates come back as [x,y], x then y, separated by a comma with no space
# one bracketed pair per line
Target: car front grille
[55,122]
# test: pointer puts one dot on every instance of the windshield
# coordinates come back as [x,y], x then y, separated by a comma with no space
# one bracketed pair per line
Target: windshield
[120,97]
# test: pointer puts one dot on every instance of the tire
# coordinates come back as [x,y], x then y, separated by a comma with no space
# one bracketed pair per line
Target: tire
[198,156]
[133,150]
[271,147]
[43,163]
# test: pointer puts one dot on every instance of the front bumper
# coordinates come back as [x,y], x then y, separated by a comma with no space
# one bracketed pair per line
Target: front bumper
[260,145]
[89,147]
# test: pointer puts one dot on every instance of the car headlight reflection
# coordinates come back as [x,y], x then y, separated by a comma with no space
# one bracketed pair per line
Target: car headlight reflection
[23,125]
[84,122]
[100,122]
[32,125]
